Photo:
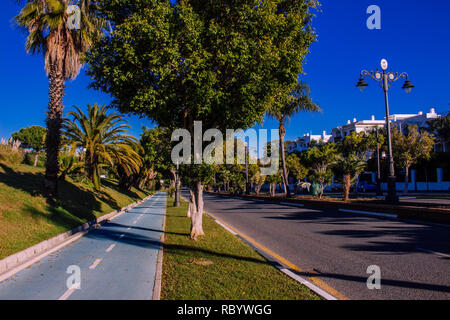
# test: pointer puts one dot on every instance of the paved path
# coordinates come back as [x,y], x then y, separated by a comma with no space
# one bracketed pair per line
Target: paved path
[337,247]
[117,261]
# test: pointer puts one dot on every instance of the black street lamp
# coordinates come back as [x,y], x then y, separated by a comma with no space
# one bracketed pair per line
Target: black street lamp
[386,79]
[379,191]
[247,183]
[176,202]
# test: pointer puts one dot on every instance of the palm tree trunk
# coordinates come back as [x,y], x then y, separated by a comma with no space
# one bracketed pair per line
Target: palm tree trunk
[283,158]
[54,123]
[405,189]
[346,186]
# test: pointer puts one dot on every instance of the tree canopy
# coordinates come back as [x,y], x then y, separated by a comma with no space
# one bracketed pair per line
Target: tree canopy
[201,60]
[31,137]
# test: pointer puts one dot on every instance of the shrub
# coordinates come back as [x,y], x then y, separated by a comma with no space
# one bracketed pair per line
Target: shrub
[10,156]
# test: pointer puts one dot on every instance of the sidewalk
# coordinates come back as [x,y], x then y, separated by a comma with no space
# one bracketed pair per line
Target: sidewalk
[117,261]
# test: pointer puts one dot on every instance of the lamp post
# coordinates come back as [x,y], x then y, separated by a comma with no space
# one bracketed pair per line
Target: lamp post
[247,185]
[176,203]
[379,191]
[386,79]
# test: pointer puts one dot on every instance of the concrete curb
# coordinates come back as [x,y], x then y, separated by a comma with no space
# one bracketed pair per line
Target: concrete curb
[159,263]
[20,260]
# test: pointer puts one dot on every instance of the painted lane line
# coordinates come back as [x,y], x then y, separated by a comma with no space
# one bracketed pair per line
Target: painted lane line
[110,248]
[95,264]
[434,252]
[66,294]
[292,204]
[226,228]
[370,213]
[308,284]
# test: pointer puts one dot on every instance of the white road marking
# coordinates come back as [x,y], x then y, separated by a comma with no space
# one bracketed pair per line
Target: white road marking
[292,204]
[226,228]
[434,252]
[66,294]
[95,264]
[313,287]
[370,213]
[110,248]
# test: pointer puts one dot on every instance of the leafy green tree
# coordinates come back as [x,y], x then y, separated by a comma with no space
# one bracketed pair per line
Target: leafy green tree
[300,102]
[258,180]
[273,181]
[31,138]
[441,127]
[63,49]
[157,149]
[196,177]
[409,148]
[295,167]
[319,158]
[103,137]
[209,61]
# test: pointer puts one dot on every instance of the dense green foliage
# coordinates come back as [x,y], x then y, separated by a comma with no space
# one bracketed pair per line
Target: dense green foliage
[196,60]
[103,139]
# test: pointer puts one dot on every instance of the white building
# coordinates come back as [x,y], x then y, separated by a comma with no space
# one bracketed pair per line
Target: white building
[399,120]
[420,119]
[340,132]
[303,143]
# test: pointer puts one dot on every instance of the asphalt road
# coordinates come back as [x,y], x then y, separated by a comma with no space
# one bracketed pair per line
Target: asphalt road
[117,261]
[337,247]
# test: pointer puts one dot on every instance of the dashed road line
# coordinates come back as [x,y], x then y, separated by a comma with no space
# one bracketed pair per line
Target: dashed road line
[95,264]
[66,294]
[110,247]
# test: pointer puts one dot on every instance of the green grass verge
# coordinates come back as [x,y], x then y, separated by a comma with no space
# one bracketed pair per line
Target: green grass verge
[219,266]
[26,218]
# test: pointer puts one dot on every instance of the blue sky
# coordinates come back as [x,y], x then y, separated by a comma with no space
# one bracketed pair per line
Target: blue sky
[414,38]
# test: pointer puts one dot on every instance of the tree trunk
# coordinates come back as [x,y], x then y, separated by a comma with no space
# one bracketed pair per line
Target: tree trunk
[36,158]
[191,206]
[197,214]
[54,124]
[283,159]
[346,186]
[405,190]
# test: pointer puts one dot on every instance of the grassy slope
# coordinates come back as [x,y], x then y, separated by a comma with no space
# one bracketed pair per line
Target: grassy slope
[236,272]
[27,219]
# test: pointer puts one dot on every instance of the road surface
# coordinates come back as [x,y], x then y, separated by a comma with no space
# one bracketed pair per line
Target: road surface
[337,247]
[117,261]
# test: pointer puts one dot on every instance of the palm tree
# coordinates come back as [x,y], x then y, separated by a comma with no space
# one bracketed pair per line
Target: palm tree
[350,166]
[63,48]
[300,102]
[103,138]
